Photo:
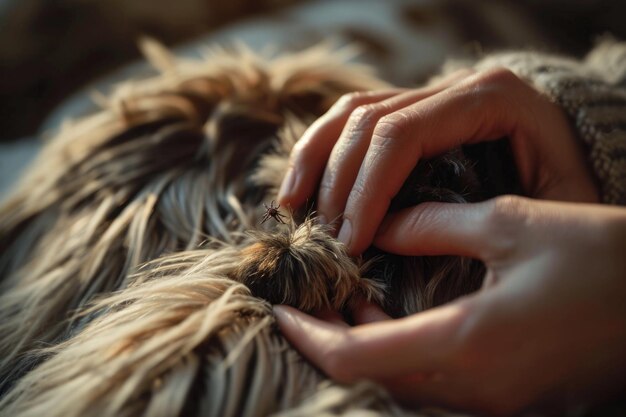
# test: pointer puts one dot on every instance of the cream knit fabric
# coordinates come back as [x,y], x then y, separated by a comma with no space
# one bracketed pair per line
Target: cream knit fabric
[593,93]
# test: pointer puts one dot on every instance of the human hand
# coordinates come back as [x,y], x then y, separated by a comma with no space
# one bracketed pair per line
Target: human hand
[547,328]
[362,150]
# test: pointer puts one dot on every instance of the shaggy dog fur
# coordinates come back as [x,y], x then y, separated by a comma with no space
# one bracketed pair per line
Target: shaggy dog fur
[136,278]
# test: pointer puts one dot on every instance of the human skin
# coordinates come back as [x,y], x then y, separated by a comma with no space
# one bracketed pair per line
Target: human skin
[547,329]
[548,326]
[358,155]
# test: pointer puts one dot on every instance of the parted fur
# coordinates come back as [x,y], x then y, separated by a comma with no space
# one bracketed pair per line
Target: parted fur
[136,278]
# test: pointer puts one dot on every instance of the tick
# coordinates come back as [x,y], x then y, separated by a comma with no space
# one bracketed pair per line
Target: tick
[272,212]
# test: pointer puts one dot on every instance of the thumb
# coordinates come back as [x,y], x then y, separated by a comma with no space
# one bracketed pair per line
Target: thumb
[421,343]
[448,229]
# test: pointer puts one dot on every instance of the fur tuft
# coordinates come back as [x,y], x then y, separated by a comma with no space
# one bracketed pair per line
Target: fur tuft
[300,266]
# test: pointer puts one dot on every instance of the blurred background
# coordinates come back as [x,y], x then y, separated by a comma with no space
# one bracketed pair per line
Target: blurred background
[52,51]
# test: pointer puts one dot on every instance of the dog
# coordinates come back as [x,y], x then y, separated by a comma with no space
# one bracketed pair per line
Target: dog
[136,271]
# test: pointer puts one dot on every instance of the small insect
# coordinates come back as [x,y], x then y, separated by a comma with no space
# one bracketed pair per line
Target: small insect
[272,212]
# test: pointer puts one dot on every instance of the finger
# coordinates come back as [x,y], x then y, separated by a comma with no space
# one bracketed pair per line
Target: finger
[348,153]
[464,113]
[365,312]
[451,229]
[331,316]
[309,156]
[419,359]
[419,343]
[311,336]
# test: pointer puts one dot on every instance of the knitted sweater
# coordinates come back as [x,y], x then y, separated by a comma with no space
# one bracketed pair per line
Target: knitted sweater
[593,93]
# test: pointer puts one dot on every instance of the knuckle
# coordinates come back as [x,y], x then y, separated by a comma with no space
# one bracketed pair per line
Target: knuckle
[504,218]
[361,192]
[505,209]
[500,76]
[330,201]
[350,100]
[418,220]
[389,129]
[327,186]
[491,89]
[364,117]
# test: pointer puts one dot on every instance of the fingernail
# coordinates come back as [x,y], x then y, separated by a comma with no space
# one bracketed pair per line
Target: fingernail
[280,312]
[321,219]
[287,185]
[345,234]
